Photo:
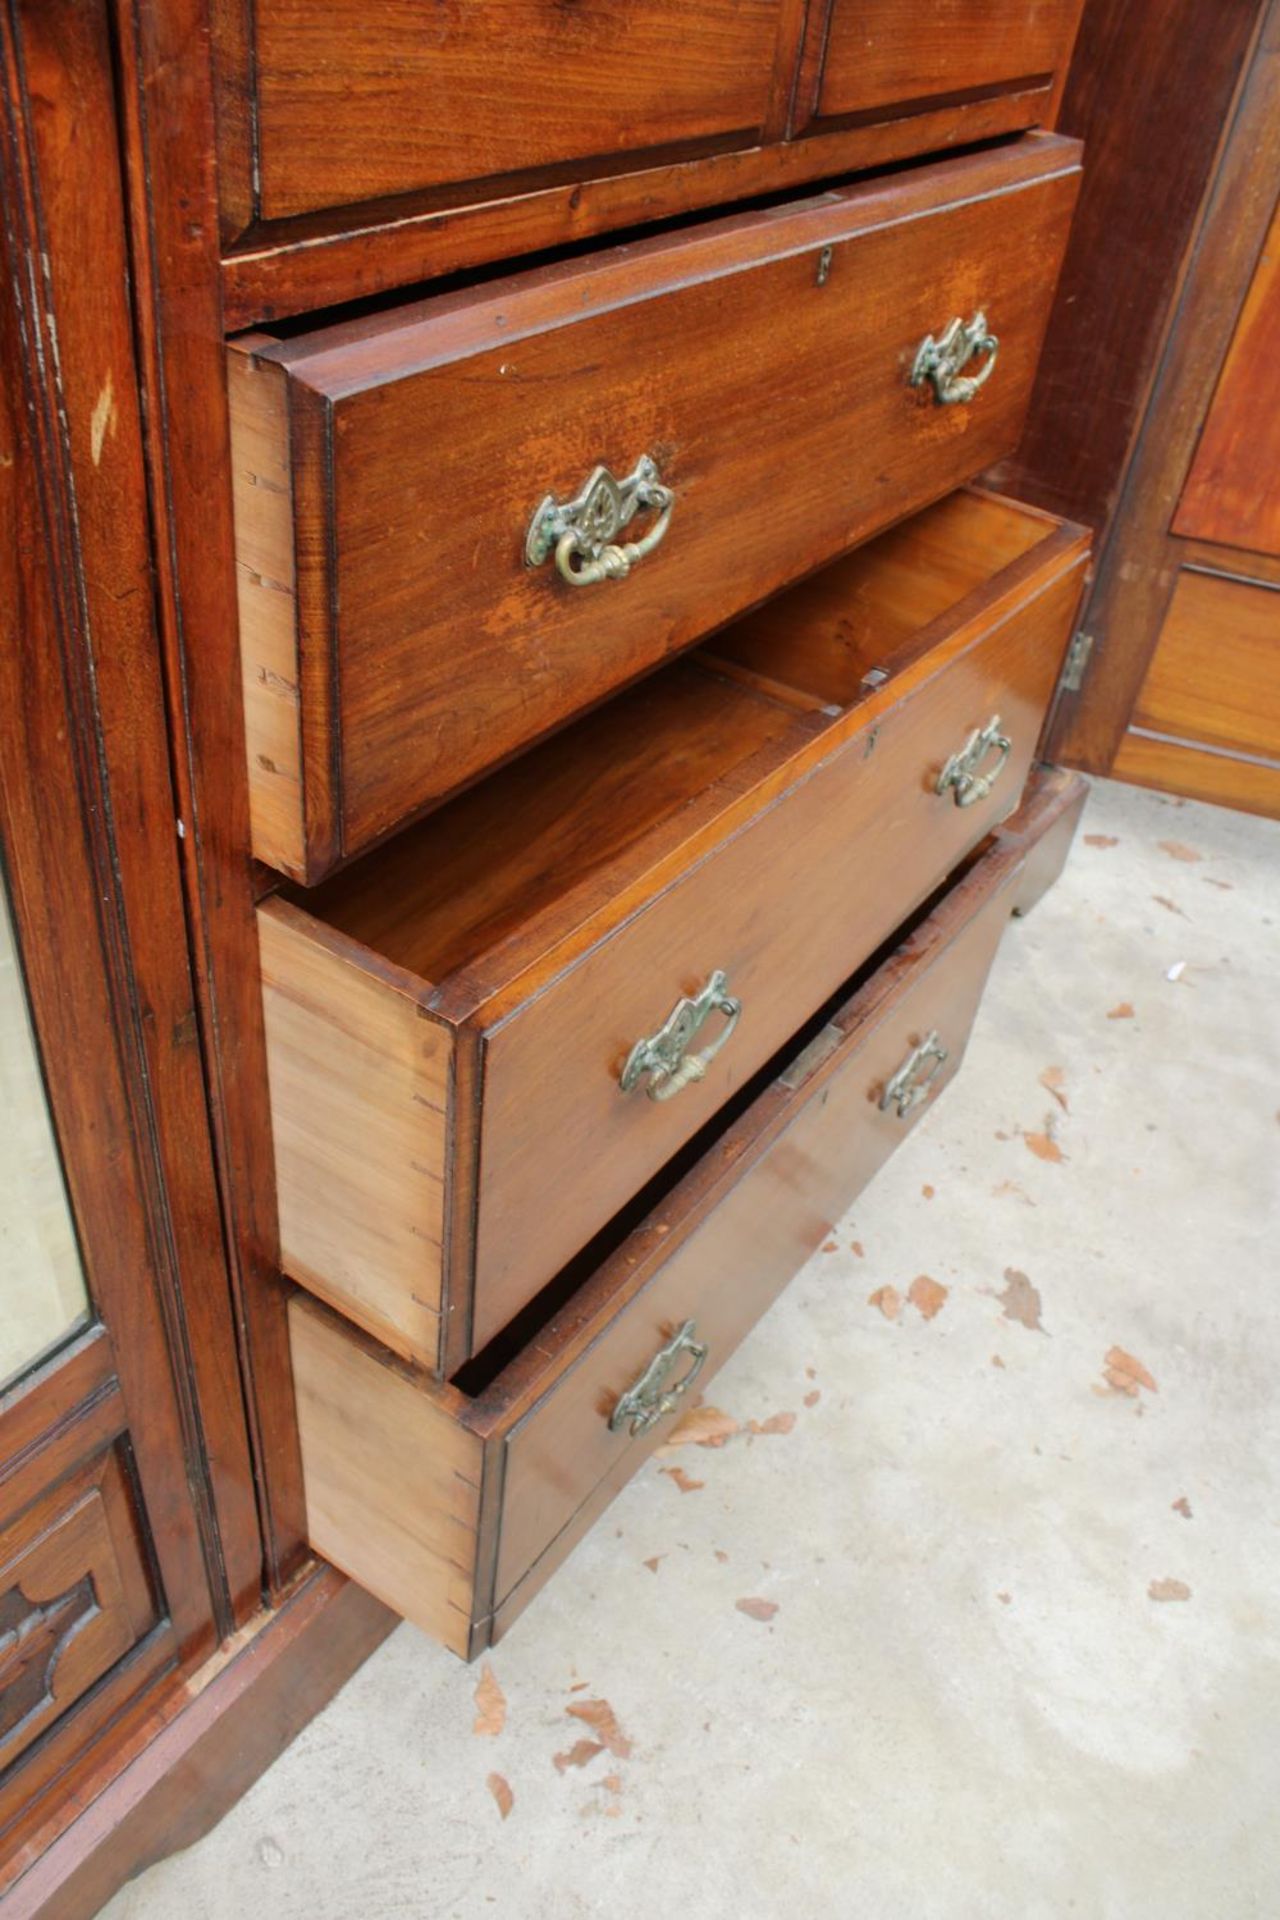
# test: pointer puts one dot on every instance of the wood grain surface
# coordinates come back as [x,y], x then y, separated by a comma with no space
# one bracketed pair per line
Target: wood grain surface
[1176,766]
[1232,495]
[1215,673]
[784,908]
[75,1597]
[202,1741]
[392,1475]
[726,1270]
[358,152]
[1149,90]
[1222,240]
[161,70]
[351,106]
[881,51]
[266,598]
[359,1122]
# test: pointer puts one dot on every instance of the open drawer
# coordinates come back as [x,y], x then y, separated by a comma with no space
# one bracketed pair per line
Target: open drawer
[488,1035]
[460,522]
[454,1502]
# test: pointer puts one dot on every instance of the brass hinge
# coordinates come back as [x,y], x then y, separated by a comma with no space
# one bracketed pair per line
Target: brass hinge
[1076,663]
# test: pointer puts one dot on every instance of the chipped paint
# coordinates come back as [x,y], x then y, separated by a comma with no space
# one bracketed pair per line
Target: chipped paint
[927,1295]
[603,1721]
[1020,1300]
[491,1704]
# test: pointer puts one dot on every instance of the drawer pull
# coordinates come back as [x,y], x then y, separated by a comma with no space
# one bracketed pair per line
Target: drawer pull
[583,533]
[650,1399]
[664,1055]
[942,361]
[961,775]
[914,1077]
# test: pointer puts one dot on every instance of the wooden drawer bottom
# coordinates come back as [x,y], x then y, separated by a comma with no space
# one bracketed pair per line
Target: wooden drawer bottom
[454,1502]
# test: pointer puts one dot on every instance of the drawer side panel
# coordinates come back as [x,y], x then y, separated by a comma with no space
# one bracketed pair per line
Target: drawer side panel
[392,1480]
[266,595]
[360,1095]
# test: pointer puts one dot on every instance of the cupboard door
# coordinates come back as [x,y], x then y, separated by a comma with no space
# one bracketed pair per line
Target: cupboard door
[1232,495]
[129,1540]
[1233,704]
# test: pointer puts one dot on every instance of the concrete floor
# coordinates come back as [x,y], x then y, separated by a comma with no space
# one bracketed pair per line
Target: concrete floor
[1024,1655]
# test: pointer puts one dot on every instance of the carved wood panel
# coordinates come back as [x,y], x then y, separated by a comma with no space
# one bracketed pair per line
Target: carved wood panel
[74,1598]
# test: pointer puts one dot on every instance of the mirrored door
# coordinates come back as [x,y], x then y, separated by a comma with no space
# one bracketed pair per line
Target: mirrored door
[43,1297]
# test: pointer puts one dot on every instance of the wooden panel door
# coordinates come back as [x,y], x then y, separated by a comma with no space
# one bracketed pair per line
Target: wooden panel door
[1215,676]
[1232,495]
[1149,91]
[129,1539]
[1176,683]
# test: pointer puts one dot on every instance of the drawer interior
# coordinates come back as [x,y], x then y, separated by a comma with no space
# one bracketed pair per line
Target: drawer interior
[859,622]
[644,772]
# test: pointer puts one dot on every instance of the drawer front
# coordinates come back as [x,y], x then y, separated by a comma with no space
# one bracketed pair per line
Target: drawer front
[885,53]
[803,893]
[419,448]
[354,103]
[454,1508]
[777,1208]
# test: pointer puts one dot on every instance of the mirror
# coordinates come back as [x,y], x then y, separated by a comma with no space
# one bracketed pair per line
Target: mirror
[43,1298]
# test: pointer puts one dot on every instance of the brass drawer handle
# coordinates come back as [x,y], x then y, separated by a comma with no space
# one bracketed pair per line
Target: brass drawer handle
[914,1077]
[650,1399]
[664,1055]
[583,533]
[942,361]
[961,775]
